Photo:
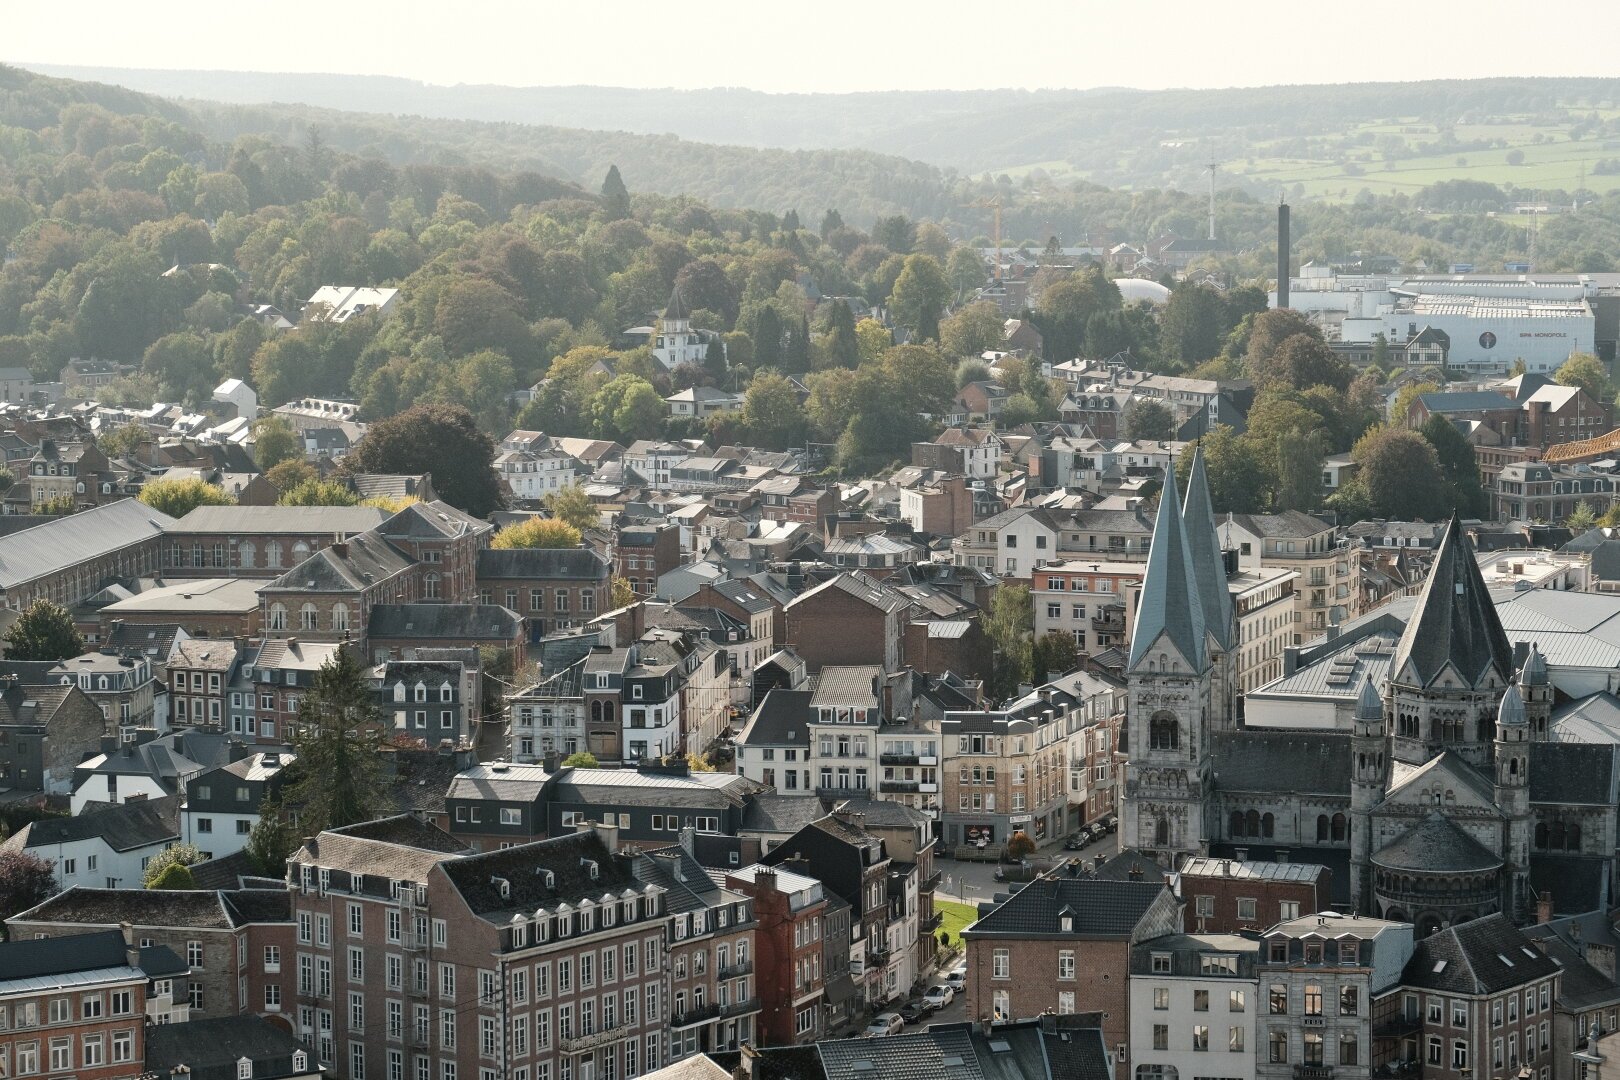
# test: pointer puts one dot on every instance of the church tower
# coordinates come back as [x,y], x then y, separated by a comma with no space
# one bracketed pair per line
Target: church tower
[1537,691]
[1214,598]
[1512,796]
[1170,681]
[1369,753]
[1452,663]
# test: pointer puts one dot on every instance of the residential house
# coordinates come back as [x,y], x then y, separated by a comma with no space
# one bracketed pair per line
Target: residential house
[1229,896]
[120,686]
[45,731]
[222,804]
[1193,1002]
[1327,592]
[649,804]
[702,402]
[848,619]
[644,552]
[552,588]
[499,804]
[789,909]
[109,847]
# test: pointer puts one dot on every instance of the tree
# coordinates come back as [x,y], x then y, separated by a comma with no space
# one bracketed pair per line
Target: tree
[767,335]
[1011,629]
[537,533]
[44,631]
[704,286]
[122,441]
[615,196]
[839,346]
[1269,329]
[1582,518]
[1055,654]
[273,839]
[177,498]
[874,338]
[317,492]
[698,763]
[1065,307]
[626,408]
[1239,474]
[1020,847]
[1298,469]
[275,441]
[1398,476]
[896,233]
[1586,371]
[581,759]
[1458,465]
[183,365]
[920,293]
[771,412]
[289,474]
[1401,411]
[178,857]
[26,881]
[1193,326]
[573,506]
[439,439]
[621,595]
[1149,419]
[972,330]
[337,773]
[1300,361]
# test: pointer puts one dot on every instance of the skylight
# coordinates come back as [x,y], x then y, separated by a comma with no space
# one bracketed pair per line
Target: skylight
[1439,966]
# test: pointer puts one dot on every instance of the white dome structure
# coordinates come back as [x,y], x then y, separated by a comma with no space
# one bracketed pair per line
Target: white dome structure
[1135,289]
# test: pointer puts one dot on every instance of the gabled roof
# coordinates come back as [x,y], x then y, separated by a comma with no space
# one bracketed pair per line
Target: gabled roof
[362,561]
[1099,908]
[1455,624]
[35,958]
[1481,956]
[210,1048]
[78,539]
[542,564]
[1170,606]
[268,520]
[122,827]
[456,622]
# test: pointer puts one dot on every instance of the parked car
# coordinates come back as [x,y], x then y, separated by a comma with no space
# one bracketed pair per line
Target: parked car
[1112,823]
[884,1024]
[913,1011]
[956,978]
[1078,840]
[939,995]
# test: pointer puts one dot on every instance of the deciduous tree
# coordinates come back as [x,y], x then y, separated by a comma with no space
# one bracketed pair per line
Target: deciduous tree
[179,497]
[440,439]
[574,506]
[537,533]
[44,631]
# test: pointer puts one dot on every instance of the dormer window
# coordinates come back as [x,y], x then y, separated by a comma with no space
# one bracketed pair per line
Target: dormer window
[244,1069]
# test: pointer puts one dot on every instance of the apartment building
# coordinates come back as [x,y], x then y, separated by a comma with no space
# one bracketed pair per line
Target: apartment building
[552,588]
[1319,977]
[1193,1001]
[1228,896]
[416,957]
[790,909]
[1327,591]
[1264,604]
[1014,543]
[1094,602]
[222,804]
[97,1029]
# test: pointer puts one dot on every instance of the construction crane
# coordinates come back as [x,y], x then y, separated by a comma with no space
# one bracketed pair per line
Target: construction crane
[993,203]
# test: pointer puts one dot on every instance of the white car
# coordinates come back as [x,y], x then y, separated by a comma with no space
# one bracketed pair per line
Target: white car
[939,996]
[884,1024]
[956,978]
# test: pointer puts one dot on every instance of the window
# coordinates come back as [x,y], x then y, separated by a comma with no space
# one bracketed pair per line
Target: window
[1279,999]
[1234,1040]
[1246,908]
[1161,998]
[1200,1001]
[1313,1000]
[1161,963]
[1066,964]
[1161,1036]
[1349,1001]
[1459,1055]
[1001,964]
[1278,1044]
[1236,1001]
[1200,1036]
[1311,1049]
[1349,1050]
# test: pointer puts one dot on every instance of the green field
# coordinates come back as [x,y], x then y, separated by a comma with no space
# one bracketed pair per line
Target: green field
[954,917]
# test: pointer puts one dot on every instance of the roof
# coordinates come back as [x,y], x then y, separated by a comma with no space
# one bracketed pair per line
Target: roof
[295,520]
[1099,908]
[199,909]
[635,787]
[35,958]
[1481,956]
[1169,606]
[1289,523]
[477,877]
[862,587]
[781,718]
[1455,624]
[458,622]
[568,564]
[194,596]
[357,564]
[121,826]
[80,538]
[1209,571]
[945,1053]
[773,812]
[1306,763]
[1436,845]
[1248,870]
[209,1049]
[400,847]
[1571,773]
[499,781]
[1466,401]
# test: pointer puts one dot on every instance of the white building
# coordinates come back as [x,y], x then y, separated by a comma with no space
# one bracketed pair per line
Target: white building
[241,396]
[534,474]
[1540,324]
[340,303]
[676,342]
[105,850]
[702,402]
[1193,1002]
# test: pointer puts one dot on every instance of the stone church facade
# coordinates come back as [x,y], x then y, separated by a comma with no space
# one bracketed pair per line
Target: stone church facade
[1445,800]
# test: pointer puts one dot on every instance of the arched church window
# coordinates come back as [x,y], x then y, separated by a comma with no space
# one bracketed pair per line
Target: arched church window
[1268,826]
[1164,731]
[1161,831]
[1573,838]
[1541,836]
[1338,828]
[1236,825]
[1251,823]
[1321,828]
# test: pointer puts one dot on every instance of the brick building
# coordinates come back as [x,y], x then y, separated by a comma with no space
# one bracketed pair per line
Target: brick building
[1063,944]
[790,908]
[73,558]
[1227,896]
[645,552]
[200,670]
[217,607]
[329,595]
[551,588]
[258,541]
[848,619]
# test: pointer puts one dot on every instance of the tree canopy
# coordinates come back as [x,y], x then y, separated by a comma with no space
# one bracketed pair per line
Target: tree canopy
[537,533]
[44,631]
[442,440]
[179,497]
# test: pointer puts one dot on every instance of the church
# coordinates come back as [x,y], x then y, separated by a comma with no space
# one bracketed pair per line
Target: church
[1447,798]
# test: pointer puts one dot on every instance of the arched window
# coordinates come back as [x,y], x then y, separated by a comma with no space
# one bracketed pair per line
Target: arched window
[1161,831]
[272,553]
[1338,828]
[1321,828]
[596,712]
[1164,732]
[1268,826]
[308,617]
[1235,828]
[278,616]
[431,586]
[340,616]
[1573,838]
[246,553]
[1541,835]
[1251,823]
[607,712]
[300,552]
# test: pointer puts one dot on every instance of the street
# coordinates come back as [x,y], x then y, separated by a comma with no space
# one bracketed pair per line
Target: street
[972,882]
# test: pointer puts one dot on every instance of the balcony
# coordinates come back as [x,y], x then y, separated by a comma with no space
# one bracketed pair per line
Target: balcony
[899,787]
[740,1008]
[928,759]
[1396,1027]
[1109,624]
[1313,1072]
[694,1017]
[581,1043]
[899,759]
[736,971]
[931,923]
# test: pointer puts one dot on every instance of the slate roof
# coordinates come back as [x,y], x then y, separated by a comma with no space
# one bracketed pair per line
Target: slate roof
[1290,523]
[1455,622]
[632,787]
[564,856]
[296,520]
[210,1048]
[394,847]
[1567,773]
[1482,956]
[259,905]
[365,560]
[1577,883]
[542,564]
[201,909]
[1306,763]
[499,781]
[432,520]
[81,538]
[1169,605]
[781,813]
[33,958]
[1466,401]
[457,622]
[862,587]
[1209,572]
[1101,908]
[122,827]
[936,1054]
[1436,845]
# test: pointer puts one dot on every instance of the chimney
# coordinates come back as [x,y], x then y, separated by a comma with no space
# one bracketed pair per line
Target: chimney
[132,951]
[984,1026]
[765,880]
[1544,906]
[1282,255]
[747,1063]
[551,762]
[1136,873]
[340,548]
[688,840]
[608,833]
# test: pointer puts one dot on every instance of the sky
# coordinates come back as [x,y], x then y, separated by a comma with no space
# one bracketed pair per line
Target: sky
[834,45]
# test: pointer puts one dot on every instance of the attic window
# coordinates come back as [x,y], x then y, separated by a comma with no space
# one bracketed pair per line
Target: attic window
[1001,1046]
[1503,957]
[1439,966]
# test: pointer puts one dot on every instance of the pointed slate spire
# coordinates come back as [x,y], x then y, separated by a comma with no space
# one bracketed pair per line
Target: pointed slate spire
[1209,571]
[1170,605]
[1534,672]
[676,310]
[1455,623]
[1511,712]
[1369,706]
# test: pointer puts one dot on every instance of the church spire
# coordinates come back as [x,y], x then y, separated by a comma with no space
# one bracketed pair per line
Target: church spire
[1455,625]
[676,310]
[1170,605]
[1209,571]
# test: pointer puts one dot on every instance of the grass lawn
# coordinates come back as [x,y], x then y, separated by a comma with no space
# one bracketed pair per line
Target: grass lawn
[954,917]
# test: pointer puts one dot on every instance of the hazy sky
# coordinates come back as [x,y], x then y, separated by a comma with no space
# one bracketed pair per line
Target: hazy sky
[834,45]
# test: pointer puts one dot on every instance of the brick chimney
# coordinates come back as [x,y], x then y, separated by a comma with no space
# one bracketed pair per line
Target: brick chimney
[1544,906]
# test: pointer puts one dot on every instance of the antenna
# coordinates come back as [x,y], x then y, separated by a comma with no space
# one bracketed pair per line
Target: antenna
[1212,166]
[1575,201]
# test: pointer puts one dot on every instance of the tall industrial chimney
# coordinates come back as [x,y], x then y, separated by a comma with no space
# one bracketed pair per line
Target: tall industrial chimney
[1282,254]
